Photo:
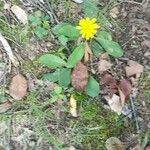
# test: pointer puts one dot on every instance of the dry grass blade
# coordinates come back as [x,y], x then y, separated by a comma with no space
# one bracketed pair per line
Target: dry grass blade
[8,50]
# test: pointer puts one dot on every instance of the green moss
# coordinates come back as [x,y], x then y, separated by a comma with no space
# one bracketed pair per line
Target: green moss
[145,83]
[95,126]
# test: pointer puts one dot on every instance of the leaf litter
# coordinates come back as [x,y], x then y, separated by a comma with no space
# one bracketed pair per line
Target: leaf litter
[117,91]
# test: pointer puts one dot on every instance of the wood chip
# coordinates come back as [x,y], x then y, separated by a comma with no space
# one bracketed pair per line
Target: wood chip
[18,87]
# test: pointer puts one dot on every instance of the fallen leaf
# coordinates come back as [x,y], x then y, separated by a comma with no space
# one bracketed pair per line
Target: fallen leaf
[122,97]
[146,44]
[114,143]
[4,107]
[18,87]
[79,77]
[104,64]
[104,56]
[114,103]
[133,68]
[109,83]
[73,106]
[20,14]
[114,12]
[88,53]
[126,87]
[8,50]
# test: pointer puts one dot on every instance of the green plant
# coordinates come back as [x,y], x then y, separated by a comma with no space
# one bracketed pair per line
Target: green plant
[68,33]
[39,24]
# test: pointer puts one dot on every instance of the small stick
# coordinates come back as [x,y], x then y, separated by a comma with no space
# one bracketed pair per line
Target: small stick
[134,114]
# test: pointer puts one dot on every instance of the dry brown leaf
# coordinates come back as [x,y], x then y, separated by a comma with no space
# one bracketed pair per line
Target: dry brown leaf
[146,44]
[114,103]
[73,106]
[134,68]
[126,87]
[114,143]
[20,14]
[104,64]
[8,50]
[104,56]
[109,84]
[4,107]
[122,97]
[88,53]
[114,12]
[18,87]
[79,77]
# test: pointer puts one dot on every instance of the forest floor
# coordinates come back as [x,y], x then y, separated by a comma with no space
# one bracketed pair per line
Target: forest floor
[32,122]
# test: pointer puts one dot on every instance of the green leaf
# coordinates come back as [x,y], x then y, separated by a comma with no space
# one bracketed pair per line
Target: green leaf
[35,20]
[66,30]
[51,61]
[75,56]
[53,77]
[64,78]
[63,40]
[89,8]
[104,35]
[40,32]
[112,48]
[56,28]
[96,48]
[92,89]
[58,90]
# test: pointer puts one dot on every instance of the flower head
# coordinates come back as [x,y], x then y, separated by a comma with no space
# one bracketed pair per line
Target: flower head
[88,28]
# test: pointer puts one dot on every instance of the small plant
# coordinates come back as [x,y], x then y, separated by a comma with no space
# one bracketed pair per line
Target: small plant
[39,24]
[89,38]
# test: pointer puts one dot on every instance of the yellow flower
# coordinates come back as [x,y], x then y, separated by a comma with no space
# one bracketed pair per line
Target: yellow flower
[88,28]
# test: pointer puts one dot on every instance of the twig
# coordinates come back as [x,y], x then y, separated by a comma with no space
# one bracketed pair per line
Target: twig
[134,114]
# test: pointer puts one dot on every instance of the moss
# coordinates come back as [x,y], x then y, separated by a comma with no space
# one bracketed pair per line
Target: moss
[95,126]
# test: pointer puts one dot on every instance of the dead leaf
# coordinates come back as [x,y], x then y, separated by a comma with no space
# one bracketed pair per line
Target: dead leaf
[146,44]
[8,50]
[88,53]
[104,64]
[114,12]
[18,87]
[73,106]
[122,97]
[104,56]
[4,107]
[114,143]
[20,14]
[109,84]
[79,77]
[114,103]
[126,87]
[134,68]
